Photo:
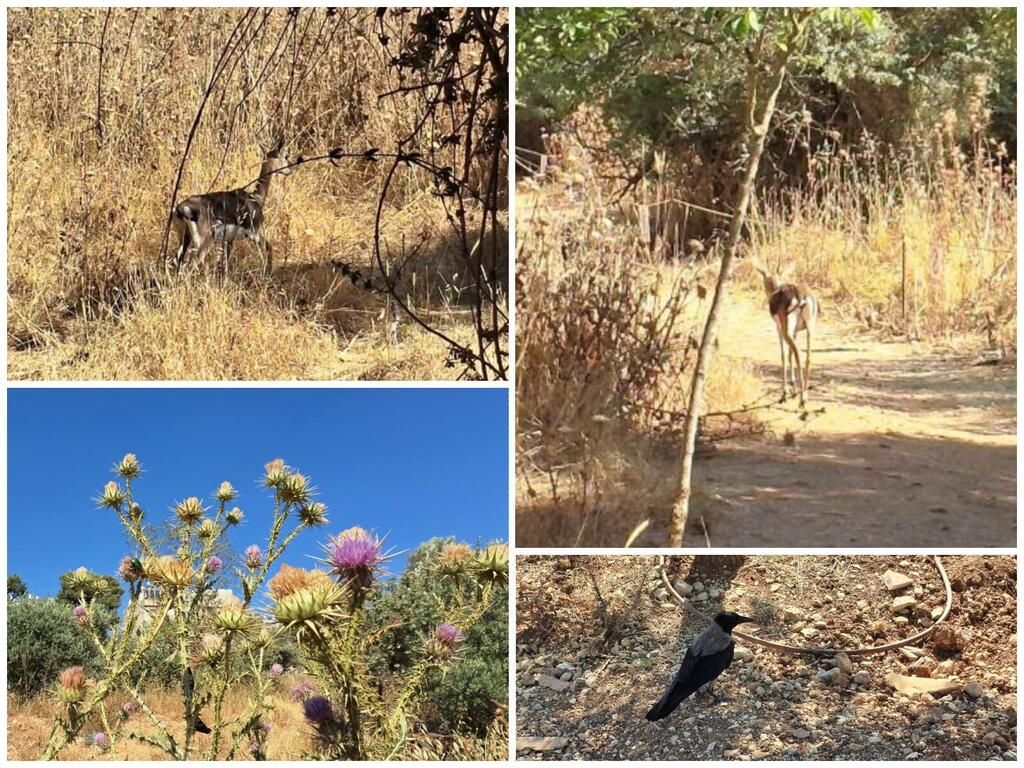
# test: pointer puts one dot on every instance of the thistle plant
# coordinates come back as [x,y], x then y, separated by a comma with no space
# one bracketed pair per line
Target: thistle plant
[349,717]
[219,644]
[221,641]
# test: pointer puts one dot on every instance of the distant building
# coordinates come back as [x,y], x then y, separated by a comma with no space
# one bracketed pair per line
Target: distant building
[150,601]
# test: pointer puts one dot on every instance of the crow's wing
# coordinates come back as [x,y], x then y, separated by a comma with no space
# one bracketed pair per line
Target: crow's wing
[708,656]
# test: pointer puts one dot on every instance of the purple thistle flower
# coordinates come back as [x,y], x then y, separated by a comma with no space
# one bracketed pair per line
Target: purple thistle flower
[447,635]
[253,556]
[100,740]
[275,670]
[213,564]
[355,556]
[301,690]
[81,614]
[128,571]
[265,727]
[317,710]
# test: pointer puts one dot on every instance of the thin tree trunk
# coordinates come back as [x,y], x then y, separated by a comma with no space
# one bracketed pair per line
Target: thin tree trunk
[757,130]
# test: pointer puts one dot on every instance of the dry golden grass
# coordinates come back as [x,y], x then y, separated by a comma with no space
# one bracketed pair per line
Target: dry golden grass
[28,725]
[88,201]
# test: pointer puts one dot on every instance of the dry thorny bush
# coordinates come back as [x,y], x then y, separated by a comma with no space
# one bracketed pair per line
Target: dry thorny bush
[109,108]
[220,642]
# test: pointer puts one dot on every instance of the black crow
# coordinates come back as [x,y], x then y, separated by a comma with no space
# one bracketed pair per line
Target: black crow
[706,658]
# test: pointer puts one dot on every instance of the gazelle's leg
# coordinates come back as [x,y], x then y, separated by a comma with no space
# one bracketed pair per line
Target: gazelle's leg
[267,252]
[807,359]
[796,370]
[782,354]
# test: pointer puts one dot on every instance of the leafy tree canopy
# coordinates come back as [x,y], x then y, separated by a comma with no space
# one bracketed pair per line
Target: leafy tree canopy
[16,586]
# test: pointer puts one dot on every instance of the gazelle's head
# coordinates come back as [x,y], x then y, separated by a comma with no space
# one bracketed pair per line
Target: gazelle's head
[768,277]
[276,163]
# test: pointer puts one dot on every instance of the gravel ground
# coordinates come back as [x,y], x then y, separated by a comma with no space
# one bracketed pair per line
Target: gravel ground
[598,639]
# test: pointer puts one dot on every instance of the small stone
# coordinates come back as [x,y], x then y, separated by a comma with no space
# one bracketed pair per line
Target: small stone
[989,738]
[862,678]
[791,615]
[682,587]
[808,632]
[801,733]
[844,663]
[540,743]
[895,581]
[974,690]
[945,638]
[936,613]
[565,677]
[911,686]
[742,653]
[565,666]
[903,603]
[551,682]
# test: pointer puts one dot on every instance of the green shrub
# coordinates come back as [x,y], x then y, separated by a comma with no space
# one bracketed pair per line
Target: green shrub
[43,641]
[468,693]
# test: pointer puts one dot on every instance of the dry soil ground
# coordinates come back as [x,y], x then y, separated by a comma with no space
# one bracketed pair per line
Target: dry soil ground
[903,444]
[587,673]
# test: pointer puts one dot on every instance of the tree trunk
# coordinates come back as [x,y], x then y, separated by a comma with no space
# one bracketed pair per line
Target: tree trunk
[757,132]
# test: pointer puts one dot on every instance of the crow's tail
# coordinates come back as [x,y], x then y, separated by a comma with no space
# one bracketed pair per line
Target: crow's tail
[673,698]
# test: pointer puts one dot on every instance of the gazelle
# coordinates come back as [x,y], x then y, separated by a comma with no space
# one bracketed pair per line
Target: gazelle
[224,217]
[793,309]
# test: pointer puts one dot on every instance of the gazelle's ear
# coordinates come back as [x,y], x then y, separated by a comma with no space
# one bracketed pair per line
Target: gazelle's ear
[758,265]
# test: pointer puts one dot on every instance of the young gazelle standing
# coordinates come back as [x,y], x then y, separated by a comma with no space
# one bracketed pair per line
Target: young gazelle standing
[224,217]
[793,309]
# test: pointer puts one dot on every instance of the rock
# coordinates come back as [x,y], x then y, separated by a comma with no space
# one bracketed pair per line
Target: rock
[844,663]
[945,638]
[989,738]
[862,678]
[801,733]
[682,587]
[529,680]
[661,594]
[551,682]
[895,581]
[936,613]
[911,686]
[901,621]
[903,603]
[791,615]
[540,743]
[701,597]
[742,653]
[565,677]
[808,632]
[974,690]
[565,666]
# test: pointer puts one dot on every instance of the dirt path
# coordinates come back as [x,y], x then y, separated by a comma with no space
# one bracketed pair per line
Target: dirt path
[914,446]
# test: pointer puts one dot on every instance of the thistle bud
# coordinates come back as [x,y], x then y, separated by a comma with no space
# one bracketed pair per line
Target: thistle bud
[313,514]
[253,557]
[491,565]
[318,710]
[226,492]
[129,467]
[71,685]
[453,560]
[207,529]
[101,741]
[135,511]
[130,569]
[234,516]
[113,496]
[276,670]
[276,473]
[189,511]
[80,579]
[295,489]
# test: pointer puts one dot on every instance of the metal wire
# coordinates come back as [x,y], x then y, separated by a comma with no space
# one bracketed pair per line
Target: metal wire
[783,648]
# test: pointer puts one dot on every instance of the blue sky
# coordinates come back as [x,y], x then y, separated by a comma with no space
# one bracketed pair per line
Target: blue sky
[409,463]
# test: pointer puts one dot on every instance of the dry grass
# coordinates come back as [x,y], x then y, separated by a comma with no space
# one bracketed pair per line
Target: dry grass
[88,201]
[606,329]
[923,246]
[28,724]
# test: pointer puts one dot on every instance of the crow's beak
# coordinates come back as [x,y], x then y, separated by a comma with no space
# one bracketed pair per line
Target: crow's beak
[742,619]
